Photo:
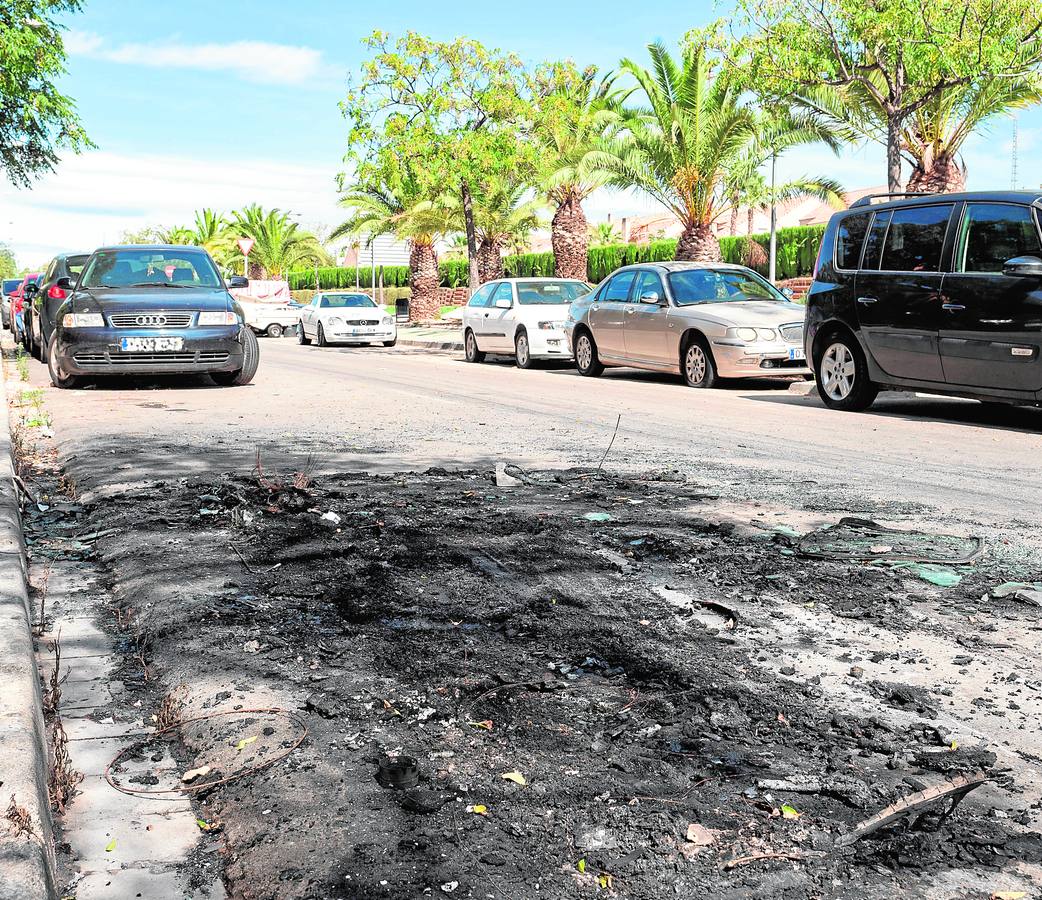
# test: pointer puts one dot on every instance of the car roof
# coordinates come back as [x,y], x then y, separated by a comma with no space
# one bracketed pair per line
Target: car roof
[533,278]
[680,266]
[865,203]
[178,247]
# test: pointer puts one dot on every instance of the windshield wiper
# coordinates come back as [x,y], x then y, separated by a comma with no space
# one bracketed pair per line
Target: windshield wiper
[162,284]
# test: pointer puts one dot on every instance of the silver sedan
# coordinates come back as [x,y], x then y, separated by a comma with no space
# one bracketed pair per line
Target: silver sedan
[704,321]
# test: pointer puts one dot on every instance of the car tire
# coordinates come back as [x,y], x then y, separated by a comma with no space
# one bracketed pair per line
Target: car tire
[697,364]
[320,336]
[302,338]
[59,378]
[250,361]
[842,375]
[586,359]
[523,351]
[470,348]
[390,343]
[274,330]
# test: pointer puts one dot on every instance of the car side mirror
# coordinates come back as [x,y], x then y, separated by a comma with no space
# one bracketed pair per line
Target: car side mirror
[1023,267]
[787,293]
[650,297]
[65,283]
[503,303]
[31,290]
[238,281]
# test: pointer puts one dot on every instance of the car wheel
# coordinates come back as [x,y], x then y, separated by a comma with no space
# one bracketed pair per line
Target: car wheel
[42,346]
[522,351]
[586,359]
[842,375]
[390,343]
[699,365]
[320,336]
[302,338]
[470,348]
[250,361]
[274,330]
[59,377]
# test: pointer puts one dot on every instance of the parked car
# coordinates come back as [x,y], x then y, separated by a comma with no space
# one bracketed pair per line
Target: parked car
[10,285]
[344,317]
[20,297]
[523,317]
[46,298]
[702,321]
[151,309]
[940,293]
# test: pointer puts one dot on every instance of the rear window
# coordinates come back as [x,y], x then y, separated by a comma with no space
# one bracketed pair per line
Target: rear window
[915,239]
[11,284]
[849,238]
[75,264]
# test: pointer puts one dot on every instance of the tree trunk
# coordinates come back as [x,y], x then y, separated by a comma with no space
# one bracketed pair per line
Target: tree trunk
[734,220]
[698,244]
[894,121]
[489,260]
[569,239]
[749,224]
[424,281]
[944,174]
[472,243]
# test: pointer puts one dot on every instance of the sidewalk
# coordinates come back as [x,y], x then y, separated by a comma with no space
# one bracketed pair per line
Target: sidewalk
[430,337]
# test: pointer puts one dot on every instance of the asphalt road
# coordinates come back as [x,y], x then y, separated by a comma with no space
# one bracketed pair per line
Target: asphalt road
[344,408]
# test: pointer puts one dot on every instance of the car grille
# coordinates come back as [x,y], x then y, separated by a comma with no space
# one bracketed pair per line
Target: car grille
[363,322]
[792,333]
[106,360]
[151,320]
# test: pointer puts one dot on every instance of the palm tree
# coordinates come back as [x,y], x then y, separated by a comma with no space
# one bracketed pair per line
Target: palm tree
[678,149]
[604,233]
[933,136]
[279,242]
[177,235]
[501,215]
[575,112]
[211,233]
[396,202]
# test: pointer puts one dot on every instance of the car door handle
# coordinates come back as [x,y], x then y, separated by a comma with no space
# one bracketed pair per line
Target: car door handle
[952,307]
[867,301]
[630,312]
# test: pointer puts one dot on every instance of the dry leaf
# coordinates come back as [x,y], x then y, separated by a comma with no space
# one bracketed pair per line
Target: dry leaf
[1009,895]
[245,742]
[478,809]
[581,866]
[515,777]
[110,846]
[192,774]
[487,724]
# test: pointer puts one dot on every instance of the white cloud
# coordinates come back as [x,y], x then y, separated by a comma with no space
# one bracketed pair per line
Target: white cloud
[93,198]
[253,60]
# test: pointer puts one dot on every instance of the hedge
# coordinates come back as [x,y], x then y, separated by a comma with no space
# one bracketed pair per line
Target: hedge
[797,251]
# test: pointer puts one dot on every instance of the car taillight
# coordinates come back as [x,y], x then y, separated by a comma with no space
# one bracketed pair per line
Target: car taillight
[56,293]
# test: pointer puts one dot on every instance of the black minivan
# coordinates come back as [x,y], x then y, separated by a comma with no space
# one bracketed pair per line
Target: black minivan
[931,292]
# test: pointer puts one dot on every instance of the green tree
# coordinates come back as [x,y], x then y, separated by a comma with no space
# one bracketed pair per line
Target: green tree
[146,234]
[455,112]
[394,200]
[573,112]
[888,62]
[280,243]
[8,266]
[678,148]
[178,234]
[36,119]
[211,232]
[502,217]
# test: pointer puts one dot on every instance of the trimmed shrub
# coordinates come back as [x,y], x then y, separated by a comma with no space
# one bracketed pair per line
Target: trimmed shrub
[797,250]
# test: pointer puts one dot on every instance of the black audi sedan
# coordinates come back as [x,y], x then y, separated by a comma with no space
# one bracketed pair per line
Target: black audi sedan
[151,309]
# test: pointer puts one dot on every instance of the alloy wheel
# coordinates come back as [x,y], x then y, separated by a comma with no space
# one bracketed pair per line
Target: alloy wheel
[837,371]
[522,350]
[695,364]
[584,352]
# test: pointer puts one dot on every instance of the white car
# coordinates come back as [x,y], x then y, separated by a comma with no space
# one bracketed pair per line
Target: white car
[345,317]
[523,317]
[271,319]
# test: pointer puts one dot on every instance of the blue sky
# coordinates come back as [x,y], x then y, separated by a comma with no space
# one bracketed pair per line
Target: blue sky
[223,103]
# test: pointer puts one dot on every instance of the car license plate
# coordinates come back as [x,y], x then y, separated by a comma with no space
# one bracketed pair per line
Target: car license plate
[797,353]
[150,344]
[364,330]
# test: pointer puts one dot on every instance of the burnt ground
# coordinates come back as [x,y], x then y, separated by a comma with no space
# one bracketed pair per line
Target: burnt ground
[643,674]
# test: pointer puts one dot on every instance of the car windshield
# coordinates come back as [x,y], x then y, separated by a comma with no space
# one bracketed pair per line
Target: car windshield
[346,301]
[720,286]
[532,293]
[150,268]
[11,284]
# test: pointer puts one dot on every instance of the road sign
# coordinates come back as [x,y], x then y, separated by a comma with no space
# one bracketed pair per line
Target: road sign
[246,245]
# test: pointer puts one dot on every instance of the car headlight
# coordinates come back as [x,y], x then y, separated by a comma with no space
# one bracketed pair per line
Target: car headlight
[218,318]
[83,320]
[745,334]
[548,326]
[766,334]
[388,322]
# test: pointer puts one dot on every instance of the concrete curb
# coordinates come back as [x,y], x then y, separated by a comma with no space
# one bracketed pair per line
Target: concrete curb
[430,345]
[26,862]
